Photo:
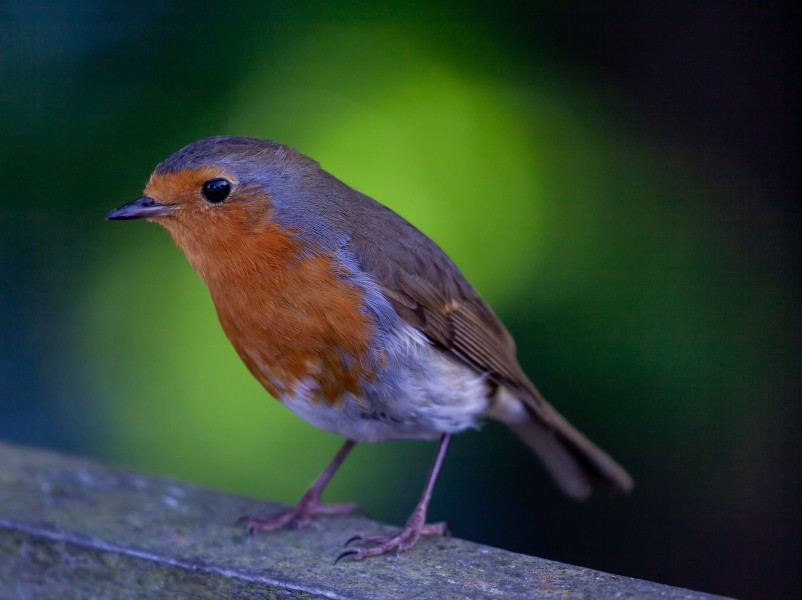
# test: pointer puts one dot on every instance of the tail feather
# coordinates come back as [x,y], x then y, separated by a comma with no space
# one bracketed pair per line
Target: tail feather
[576,464]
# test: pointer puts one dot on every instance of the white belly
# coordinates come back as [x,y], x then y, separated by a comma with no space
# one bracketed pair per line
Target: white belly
[419,394]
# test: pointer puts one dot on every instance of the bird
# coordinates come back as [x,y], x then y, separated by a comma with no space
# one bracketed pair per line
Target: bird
[353,319]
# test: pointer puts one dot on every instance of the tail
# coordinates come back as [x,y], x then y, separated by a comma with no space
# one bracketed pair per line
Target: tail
[577,464]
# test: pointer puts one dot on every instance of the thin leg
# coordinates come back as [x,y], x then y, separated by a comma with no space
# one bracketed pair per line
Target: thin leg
[416,525]
[309,505]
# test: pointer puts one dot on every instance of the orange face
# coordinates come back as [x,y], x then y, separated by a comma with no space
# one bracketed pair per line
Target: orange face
[201,227]
[183,187]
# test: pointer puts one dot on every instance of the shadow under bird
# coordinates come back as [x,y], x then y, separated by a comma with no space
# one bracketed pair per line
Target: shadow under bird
[352,318]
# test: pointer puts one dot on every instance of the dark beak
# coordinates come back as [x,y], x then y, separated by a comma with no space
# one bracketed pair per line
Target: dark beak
[143,208]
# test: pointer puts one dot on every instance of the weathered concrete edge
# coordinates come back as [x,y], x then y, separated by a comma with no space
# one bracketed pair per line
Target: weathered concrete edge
[160,559]
[56,499]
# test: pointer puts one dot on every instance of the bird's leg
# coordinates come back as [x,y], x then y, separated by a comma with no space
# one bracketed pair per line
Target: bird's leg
[309,505]
[416,525]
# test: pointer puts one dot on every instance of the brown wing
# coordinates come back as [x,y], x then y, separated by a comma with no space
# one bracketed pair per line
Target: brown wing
[465,327]
[430,293]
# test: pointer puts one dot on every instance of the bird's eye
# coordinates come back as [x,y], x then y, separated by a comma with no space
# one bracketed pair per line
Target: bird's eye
[216,190]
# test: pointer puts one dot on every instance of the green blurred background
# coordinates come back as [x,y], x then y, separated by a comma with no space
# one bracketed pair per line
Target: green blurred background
[620,183]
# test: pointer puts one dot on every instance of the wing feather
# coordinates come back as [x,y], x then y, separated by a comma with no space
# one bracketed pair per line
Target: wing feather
[429,292]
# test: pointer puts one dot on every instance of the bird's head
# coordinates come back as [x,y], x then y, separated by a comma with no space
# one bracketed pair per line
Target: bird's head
[219,195]
[222,180]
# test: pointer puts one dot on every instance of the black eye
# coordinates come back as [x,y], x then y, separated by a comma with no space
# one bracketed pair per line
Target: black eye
[216,190]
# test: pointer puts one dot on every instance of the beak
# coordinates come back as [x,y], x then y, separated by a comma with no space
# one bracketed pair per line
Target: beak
[143,208]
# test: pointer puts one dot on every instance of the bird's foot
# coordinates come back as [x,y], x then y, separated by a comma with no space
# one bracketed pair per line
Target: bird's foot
[400,541]
[301,515]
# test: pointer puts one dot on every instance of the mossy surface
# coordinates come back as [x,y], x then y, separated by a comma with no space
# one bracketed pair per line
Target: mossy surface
[72,528]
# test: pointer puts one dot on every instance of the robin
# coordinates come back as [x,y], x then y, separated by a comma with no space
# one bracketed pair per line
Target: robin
[352,318]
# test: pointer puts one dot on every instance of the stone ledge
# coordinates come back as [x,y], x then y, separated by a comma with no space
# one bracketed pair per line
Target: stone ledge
[74,528]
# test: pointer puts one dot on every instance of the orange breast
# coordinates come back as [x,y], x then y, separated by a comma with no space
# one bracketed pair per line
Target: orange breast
[295,321]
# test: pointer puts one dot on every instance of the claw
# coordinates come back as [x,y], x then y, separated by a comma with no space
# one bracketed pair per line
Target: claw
[249,520]
[308,506]
[398,542]
[349,552]
[299,516]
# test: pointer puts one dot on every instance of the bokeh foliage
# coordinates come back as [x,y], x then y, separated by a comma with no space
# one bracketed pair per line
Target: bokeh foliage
[652,290]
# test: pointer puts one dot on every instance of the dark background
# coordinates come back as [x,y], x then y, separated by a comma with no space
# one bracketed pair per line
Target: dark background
[621,182]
